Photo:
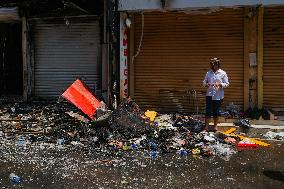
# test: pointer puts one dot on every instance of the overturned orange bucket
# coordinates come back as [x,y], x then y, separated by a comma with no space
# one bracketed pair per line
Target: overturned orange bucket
[82,98]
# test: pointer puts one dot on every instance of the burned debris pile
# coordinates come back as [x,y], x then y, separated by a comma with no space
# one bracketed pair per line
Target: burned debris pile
[125,129]
[41,121]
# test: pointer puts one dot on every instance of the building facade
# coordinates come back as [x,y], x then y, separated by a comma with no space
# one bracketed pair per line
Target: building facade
[170,44]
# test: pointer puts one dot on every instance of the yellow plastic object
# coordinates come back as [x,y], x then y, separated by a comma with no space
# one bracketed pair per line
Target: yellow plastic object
[151,115]
[230,131]
[125,147]
[260,143]
[195,151]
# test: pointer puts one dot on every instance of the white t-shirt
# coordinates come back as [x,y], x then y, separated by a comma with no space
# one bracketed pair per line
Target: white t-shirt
[219,77]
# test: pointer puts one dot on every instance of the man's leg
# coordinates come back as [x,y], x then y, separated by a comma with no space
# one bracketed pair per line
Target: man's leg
[207,120]
[216,109]
[215,123]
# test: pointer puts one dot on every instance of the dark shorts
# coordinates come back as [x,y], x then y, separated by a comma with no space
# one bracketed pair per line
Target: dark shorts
[212,107]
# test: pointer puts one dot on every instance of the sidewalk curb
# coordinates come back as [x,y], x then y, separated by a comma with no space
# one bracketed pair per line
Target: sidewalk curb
[253,126]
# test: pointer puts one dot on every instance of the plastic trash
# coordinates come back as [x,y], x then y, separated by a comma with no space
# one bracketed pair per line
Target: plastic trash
[15,179]
[230,140]
[195,151]
[60,141]
[153,145]
[151,115]
[209,138]
[134,146]
[182,152]
[224,113]
[246,144]
[126,147]
[13,109]
[153,154]
[25,118]
[156,124]
[274,135]
[243,123]
[223,150]
[21,142]
[233,109]
[32,138]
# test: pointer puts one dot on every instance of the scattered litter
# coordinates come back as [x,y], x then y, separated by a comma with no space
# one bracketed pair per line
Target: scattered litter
[246,144]
[60,141]
[151,115]
[224,151]
[209,138]
[241,137]
[13,109]
[230,140]
[231,179]
[258,142]
[274,135]
[21,142]
[182,152]
[15,179]
[231,130]
[78,116]
[50,127]
[195,151]
[243,123]
[233,110]
[153,154]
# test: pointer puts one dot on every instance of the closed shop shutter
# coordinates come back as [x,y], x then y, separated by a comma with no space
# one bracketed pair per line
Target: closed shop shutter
[273,58]
[63,53]
[175,54]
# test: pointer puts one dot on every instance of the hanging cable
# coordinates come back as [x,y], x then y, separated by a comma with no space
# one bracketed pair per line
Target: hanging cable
[141,39]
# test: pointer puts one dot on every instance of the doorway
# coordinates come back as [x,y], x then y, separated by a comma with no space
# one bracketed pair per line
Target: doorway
[11,64]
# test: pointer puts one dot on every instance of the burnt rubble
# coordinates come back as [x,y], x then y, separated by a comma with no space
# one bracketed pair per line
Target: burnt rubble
[120,131]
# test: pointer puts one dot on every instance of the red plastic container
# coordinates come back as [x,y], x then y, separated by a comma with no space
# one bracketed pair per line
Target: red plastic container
[245,146]
[82,98]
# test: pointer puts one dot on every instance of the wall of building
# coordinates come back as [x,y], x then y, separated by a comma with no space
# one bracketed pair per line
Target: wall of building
[253,57]
[134,5]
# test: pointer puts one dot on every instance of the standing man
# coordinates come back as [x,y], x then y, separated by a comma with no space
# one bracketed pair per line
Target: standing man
[215,80]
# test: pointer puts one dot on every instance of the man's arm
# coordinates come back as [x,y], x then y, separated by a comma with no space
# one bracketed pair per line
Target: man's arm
[225,81]
[205,81]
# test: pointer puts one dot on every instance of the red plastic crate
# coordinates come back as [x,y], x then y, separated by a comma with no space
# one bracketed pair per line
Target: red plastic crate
[82,98]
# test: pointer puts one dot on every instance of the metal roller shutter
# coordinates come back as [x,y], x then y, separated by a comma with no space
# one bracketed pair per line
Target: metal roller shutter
[273,59]
[175,54]
[64,53]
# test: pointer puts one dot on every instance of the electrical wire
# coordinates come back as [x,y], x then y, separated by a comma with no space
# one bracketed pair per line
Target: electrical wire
[141,39]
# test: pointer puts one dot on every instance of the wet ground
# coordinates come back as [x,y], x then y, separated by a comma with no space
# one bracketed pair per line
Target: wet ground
[71,168]
[41,160]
